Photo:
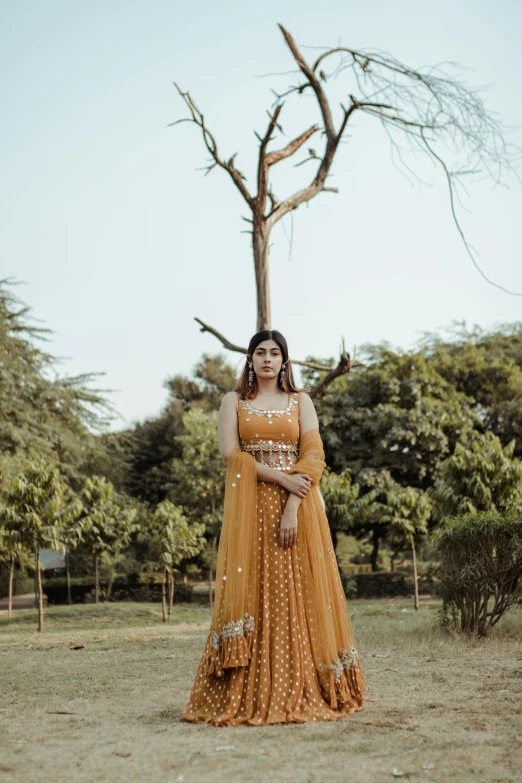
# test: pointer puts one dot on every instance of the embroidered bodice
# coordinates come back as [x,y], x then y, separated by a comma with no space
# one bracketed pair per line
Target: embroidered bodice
[275,432]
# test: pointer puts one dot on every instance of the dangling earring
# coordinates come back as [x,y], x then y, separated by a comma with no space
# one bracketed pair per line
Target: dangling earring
[250,375]
[282,374]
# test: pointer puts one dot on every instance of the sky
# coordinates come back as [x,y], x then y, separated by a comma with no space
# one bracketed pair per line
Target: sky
[120,241]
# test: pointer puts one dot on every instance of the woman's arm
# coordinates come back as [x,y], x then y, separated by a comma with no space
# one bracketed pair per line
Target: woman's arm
[288,528]
[307,416]
[228,434]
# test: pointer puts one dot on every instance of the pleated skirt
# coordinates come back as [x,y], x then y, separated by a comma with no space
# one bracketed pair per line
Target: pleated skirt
[280,684]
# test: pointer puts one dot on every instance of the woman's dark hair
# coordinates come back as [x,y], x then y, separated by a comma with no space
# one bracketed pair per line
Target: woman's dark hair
[249,392]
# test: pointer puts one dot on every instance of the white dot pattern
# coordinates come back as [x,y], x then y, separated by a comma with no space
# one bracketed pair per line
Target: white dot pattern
[280,684]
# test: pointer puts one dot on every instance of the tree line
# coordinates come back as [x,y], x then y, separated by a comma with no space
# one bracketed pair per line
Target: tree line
[411,438]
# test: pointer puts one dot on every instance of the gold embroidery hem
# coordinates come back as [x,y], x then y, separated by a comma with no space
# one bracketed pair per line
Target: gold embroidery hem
[342,681]
[232,647]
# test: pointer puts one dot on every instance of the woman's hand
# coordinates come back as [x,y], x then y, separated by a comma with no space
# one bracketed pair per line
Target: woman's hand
[288,528]
[297,483]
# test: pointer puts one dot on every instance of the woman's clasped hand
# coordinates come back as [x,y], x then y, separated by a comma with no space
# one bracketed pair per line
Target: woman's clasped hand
[298,484]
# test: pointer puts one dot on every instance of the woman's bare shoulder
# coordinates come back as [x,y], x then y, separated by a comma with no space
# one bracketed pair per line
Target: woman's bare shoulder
[307,414]
[230,400]
[305,400]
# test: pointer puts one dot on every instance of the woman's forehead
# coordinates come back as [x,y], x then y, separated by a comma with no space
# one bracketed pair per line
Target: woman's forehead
[268,345]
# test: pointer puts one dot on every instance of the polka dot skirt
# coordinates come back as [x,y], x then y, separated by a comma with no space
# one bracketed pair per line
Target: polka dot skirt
[280,683]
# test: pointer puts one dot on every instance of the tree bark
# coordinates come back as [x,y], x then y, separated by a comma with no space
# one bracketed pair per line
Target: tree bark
[10,599]
[39,590]
[68,575]
[96,578]
[375,550]
[164,594]
[260,247]
[171,590]
[415,577]
[109,586]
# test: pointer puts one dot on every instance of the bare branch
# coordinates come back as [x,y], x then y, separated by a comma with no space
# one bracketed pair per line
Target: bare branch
[293,146]
[210,142]
[457,224]
[313,82]
[240,349]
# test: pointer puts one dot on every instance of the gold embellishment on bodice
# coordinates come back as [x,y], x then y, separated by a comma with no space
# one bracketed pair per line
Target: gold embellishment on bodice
[292,405]
[275,432]
[273,446]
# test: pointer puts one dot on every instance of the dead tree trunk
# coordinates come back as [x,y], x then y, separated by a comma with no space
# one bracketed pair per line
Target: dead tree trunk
[260,248]
[428,109]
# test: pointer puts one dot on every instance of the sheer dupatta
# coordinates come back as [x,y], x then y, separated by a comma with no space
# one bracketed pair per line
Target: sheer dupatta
[237,593]
[331,634]
[236,606]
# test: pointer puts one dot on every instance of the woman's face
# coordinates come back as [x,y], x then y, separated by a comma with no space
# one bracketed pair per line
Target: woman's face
[267,359]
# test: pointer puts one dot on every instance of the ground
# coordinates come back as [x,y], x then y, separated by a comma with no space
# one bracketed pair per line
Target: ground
[439,708]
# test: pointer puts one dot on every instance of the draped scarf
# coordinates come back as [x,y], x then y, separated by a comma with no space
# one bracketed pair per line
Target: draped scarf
[237,595]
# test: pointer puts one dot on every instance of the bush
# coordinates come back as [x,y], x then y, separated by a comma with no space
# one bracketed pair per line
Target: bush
[481,568]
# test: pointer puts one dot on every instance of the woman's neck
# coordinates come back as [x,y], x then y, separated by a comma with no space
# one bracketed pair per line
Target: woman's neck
[268,388]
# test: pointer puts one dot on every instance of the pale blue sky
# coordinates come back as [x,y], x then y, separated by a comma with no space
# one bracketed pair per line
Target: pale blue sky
[121,242]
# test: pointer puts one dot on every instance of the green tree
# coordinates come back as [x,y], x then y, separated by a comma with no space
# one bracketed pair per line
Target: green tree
[151,446]
[407,513]
[212,378]
[43,416]
[172,539]
[99,521]
[487,367]
[339,494]
[11,551]
[126,525]
[384,510]
[480,477]
[37,508]
[198,478]
[481,568]
[396,414]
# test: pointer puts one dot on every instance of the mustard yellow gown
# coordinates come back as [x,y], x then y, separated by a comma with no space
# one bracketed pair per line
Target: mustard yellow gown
[278,680]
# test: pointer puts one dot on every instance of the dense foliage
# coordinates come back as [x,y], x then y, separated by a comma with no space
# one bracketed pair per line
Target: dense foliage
[481,576]
[411,438]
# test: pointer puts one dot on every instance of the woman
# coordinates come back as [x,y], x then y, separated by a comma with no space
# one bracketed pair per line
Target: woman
[280,648]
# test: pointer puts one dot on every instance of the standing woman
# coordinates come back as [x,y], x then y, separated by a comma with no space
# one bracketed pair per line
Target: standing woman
[280,648]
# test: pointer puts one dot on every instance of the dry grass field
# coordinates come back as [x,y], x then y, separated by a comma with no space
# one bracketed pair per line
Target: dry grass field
[439,708]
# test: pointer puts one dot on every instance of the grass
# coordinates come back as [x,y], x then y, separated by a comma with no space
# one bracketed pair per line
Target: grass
[439,708]
[99,616]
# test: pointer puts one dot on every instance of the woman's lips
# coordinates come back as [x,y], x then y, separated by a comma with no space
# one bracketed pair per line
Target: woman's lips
[267,368]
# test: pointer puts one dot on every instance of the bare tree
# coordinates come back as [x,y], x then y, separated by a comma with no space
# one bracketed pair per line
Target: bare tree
[426,110]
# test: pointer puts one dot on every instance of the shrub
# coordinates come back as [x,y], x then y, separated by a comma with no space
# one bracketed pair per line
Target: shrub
[481,568]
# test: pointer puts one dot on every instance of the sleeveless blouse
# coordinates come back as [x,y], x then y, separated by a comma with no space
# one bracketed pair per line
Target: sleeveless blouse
[272,431]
